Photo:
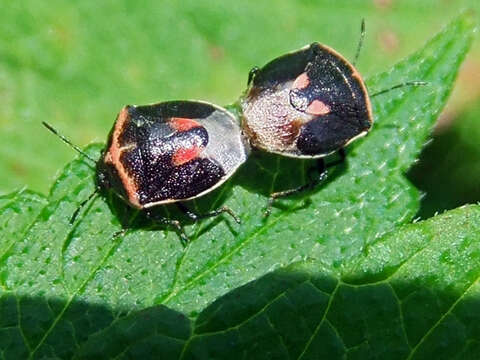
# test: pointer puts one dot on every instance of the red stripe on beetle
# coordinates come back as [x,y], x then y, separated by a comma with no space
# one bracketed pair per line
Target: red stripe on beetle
[318,107]
[182,156]
[301,82]
[183,124]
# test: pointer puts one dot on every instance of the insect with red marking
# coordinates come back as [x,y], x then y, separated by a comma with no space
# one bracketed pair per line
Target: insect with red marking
[169,152]
[306,104]
[309,103]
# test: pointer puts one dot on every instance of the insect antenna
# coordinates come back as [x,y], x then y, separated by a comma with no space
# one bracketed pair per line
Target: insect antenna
[408,83]
[80,151]
[360,42]
[68,142]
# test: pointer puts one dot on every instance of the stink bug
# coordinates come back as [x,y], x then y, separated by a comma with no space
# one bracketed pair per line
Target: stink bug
[309,103]
[169,152]
[306,104]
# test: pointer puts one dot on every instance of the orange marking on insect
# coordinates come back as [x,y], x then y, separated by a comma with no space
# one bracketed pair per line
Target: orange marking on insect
[183,124]
[301,82]
[113,156]
[184,155]
[318,107]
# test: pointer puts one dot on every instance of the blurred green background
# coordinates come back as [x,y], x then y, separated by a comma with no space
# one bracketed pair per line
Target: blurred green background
[76,63]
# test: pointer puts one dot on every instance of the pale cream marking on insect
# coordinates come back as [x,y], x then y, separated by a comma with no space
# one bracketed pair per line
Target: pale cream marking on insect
[128,147]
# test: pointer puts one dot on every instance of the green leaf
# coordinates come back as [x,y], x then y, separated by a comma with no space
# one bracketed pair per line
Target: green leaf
[447,186]
[414,295]
[86,289]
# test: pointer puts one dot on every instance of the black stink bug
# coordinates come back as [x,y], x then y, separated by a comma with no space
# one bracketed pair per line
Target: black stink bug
[169,153]
[309,103]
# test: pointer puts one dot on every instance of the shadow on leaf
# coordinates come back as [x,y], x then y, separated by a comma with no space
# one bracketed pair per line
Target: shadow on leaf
[297,312]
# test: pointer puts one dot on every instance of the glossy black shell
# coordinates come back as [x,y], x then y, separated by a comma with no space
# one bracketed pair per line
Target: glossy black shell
[308,103]
[171,151]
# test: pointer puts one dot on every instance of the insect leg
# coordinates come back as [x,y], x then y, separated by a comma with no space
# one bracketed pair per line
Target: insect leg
[323,174]
[195,217]
[81,205]
[169,222]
